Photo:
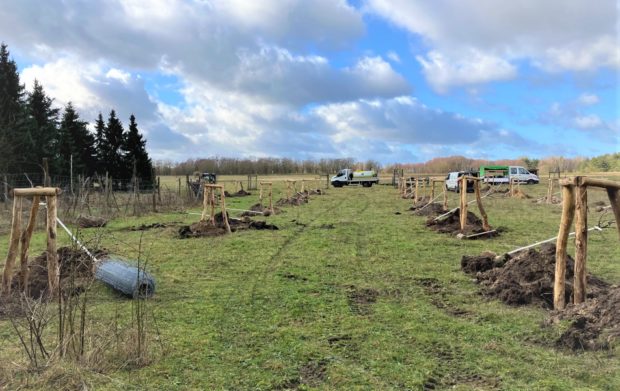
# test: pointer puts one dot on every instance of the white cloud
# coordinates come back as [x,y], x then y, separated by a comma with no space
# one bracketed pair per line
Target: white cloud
[475,68]
[591,121]
[554,35]
[392,55]
[588,99]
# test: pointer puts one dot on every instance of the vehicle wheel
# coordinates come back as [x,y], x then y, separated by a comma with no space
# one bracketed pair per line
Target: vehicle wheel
[531,182]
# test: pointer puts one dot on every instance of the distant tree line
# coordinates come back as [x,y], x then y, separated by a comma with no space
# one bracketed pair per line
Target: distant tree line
[603,163]
[261,166]
[31,129]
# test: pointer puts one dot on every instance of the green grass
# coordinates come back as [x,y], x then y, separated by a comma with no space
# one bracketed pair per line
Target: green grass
[255,309]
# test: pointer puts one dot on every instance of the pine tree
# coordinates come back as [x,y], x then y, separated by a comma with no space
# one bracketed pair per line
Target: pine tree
[76,141]
[135,150]
[40,135]
[100,144]
[113,140]
[12,111]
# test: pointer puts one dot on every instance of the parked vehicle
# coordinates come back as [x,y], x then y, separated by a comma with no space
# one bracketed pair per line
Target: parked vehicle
[453,181]
[347,177]
[503,174]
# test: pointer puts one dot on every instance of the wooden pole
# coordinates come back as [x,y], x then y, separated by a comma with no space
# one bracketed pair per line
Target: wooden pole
[614,200]
[46,173]
[223,207]
[25,244]
[303,186]
[483,213]
[53,268]
[432,190]
[271,198]
[550,190]
[417,191]
[7,275]
[568,213]
[510,188]
[212,202]
[463,205]
[581,242]
[205,204]
[179,186]
[445,196]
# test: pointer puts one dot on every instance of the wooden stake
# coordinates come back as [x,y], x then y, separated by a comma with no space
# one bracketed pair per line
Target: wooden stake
[25,244]
[271,198]
[614,200]
[53,268]
[205,204]
[568,213]
[463,207]
[485,219]
[417,191]
[550,190]
[212,202]
[432,190]
[581,242]
[223,207]
[445,196]
[7,276]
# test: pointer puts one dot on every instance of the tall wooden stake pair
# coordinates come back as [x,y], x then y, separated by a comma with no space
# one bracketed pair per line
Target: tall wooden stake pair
[209,202]
[268,186]
[463,202]
[22,238]
[575,207]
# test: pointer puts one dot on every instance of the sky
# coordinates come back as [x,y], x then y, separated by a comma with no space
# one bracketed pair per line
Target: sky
[388,80]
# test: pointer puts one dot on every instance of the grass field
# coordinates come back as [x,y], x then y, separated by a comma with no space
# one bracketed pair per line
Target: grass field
[337,298]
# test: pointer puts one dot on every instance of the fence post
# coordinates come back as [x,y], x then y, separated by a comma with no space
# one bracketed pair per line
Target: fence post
[568,213]
[463,207]
[581,241]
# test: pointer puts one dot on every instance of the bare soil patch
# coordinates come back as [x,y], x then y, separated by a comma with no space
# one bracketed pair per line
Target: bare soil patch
[361,299]
[240,193]
[527,278]
[434,209]
[91,222]
[311,374]
[207,229]
[451,224]
[595,323]
[296,200]
[76,269]
[261,209]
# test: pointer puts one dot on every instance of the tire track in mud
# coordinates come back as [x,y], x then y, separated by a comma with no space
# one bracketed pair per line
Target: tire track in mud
[275,260]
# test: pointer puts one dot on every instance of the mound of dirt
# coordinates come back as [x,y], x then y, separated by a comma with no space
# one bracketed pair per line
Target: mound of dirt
[527,278]
[543,200]
[296,200]
[262,209]
[91,222]
[520,195]
[450,224]
[206,228]
[240,193]
[75,269]
[146,227]
[595,323]
[433,209]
